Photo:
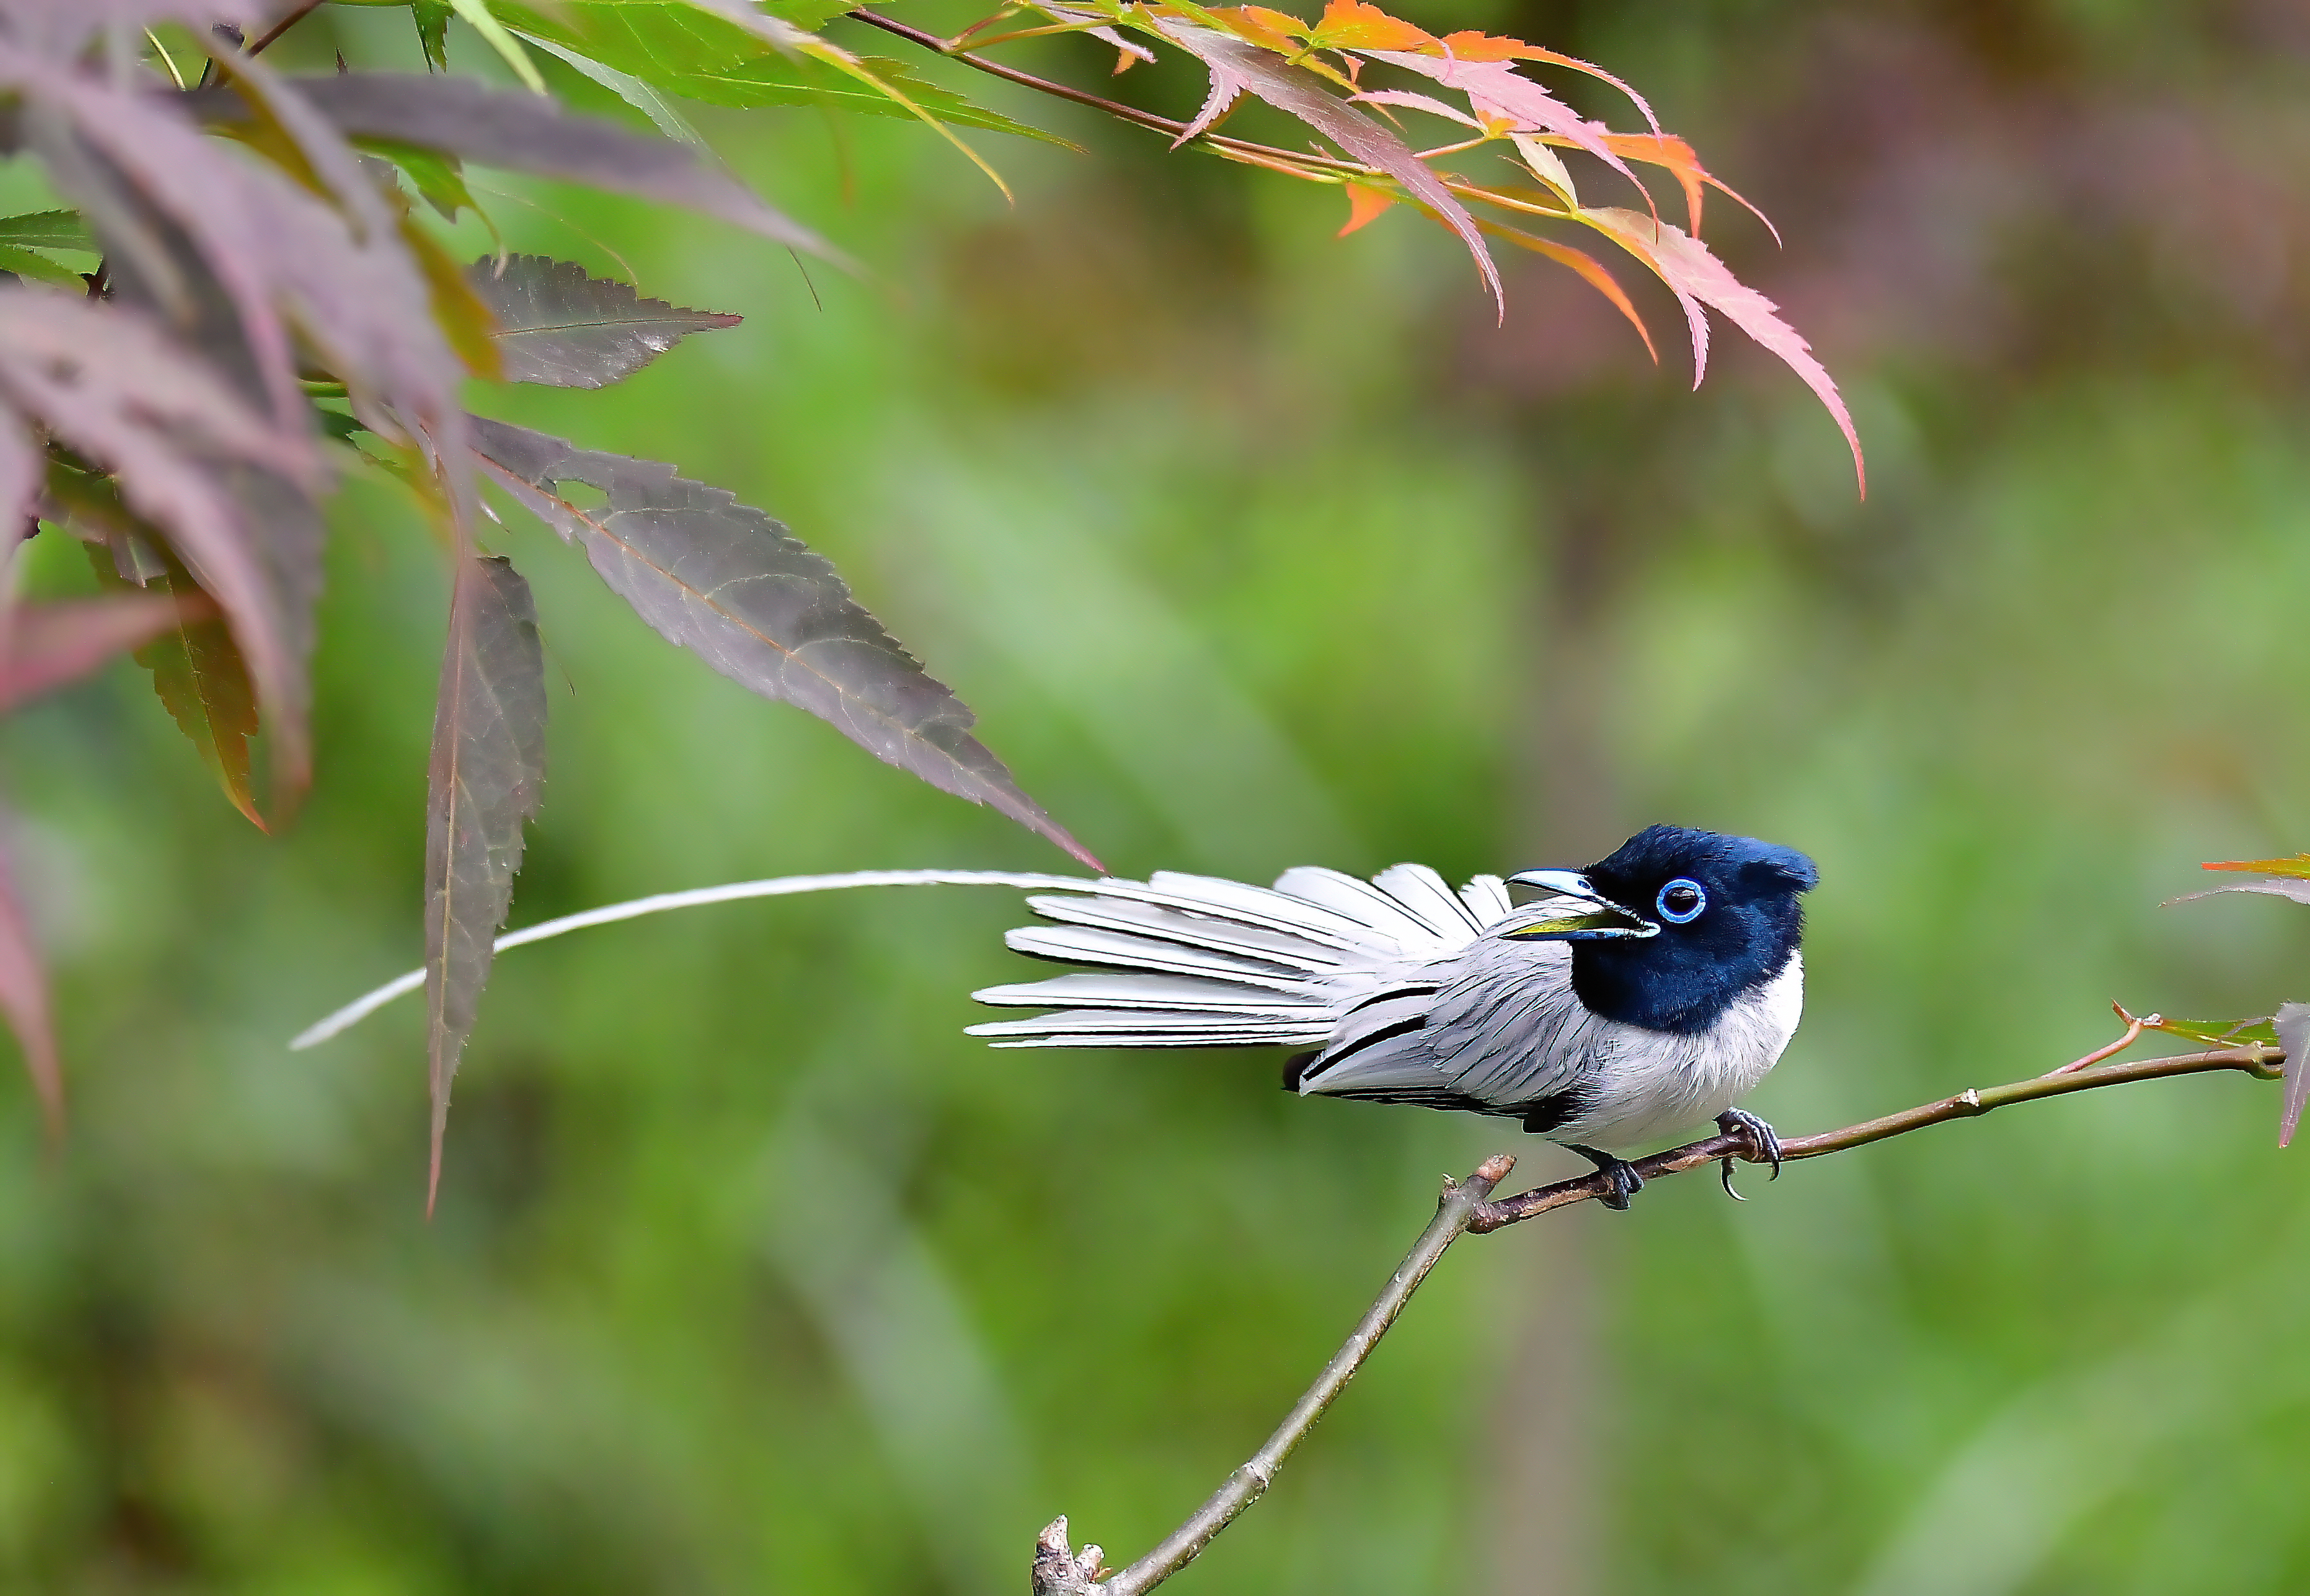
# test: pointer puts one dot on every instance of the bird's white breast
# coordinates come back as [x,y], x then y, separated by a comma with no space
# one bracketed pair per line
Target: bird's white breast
[1652,1084]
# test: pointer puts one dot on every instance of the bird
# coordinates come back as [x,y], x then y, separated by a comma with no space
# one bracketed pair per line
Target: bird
[1605,1008]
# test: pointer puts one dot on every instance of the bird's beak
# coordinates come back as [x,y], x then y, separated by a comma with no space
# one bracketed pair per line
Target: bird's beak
[1560,906]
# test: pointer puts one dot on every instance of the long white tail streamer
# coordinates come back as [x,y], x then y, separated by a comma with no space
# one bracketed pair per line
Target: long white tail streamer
[362,1007]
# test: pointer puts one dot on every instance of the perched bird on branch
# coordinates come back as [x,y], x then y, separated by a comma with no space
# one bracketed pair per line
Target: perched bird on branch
[1605,1008]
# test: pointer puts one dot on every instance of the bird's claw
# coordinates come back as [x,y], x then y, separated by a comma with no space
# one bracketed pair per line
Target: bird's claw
[1621,1181]
[1764,1145]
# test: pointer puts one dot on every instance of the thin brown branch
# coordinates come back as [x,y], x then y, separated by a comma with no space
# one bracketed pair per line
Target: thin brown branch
[1064,1575]
[1467,1207]
[2133,1029]
[2255,1059]
[297,14]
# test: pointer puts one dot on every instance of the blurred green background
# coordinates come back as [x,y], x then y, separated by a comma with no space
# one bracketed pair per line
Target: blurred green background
[1252,549]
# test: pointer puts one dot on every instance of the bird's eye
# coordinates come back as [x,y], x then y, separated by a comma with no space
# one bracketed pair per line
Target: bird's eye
[1680,901]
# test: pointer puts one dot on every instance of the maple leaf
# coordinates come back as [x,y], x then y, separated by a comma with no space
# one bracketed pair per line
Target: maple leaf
[1354,25]
[1365,204]
[1697,278]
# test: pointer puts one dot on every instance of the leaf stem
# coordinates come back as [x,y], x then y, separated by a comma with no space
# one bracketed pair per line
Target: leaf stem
[297,14]
[1264,154]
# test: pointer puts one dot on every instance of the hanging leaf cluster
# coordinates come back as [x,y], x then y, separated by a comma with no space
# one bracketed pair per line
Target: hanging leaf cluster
[248,277]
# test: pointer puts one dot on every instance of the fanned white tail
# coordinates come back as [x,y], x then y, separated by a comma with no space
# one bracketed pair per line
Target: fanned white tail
[1202,962]
[1196,961]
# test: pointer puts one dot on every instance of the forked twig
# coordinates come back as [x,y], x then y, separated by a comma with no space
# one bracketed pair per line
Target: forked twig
[1467,1206]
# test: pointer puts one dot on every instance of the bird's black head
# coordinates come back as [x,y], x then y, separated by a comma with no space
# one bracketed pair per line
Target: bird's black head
[1729,921]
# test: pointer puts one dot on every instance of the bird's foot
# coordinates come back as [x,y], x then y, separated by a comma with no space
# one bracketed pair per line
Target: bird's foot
[1764,1144]
[1621,1181]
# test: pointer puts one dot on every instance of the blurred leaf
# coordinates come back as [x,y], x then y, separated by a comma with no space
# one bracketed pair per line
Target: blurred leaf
[47,229]
[641,96]
[2296,865]
[462,315]
[662,42]
[701,56]
[2292,1025]
[432,19]
[23,238]
[59,29]
[196,669]
[1365,206]
[190,459]
[1697,278]
[1237,66]
[232,251]
[523,133]
[39,267]
[722,578]
[477,16]
[52,644]
[486,778]
[24,996]
[559,326]
[440,179]
[1354,25]
[2218,1033]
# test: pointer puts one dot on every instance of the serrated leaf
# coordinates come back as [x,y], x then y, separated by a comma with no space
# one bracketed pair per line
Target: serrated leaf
[1590,270]
[699,56]
[32,264]
[658,42]
[1697,278]
[432,20]
[196,669]
[723,578]
[1235,64]
[1498,92]
[1366,204]
[47,229]
[1667,150]
[557,327]
[1354,25]
[24,999]
[52,644]
[523,133]
[484,782]
[629,88]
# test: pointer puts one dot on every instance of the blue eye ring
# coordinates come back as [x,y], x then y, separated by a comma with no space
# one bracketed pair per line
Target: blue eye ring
[1682,887]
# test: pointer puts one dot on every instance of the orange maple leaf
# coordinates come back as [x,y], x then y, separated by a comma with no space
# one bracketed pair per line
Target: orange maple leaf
[1364,205]
[1270,30]
[1356,25]
[1665,149]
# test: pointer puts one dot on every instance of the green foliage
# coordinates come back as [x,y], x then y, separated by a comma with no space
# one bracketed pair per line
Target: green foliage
[751,1274]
